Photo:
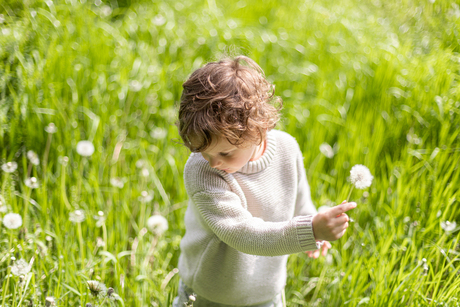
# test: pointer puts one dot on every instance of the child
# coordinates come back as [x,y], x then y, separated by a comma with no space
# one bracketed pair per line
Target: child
[249,200]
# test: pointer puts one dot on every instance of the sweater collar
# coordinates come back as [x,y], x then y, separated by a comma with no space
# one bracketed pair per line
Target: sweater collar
[264,161]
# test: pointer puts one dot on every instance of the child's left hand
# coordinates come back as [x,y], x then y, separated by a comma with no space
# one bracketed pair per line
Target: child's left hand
[323,250]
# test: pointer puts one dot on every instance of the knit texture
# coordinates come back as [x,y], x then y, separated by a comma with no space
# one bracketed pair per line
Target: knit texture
[240,227]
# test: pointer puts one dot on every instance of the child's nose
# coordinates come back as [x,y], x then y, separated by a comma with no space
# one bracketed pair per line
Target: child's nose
[214,162]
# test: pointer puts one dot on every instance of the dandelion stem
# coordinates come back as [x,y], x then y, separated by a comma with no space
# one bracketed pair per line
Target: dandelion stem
[26,208]
[47,149]
[63,192]
[349,194]
[82,251]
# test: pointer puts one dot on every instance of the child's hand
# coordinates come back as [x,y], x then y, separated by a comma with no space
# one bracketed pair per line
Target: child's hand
[330,225]
[323,250]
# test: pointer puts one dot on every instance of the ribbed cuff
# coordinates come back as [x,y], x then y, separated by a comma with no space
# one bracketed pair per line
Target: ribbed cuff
[305,234]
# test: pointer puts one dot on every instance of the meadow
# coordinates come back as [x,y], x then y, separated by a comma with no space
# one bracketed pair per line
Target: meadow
[363,82]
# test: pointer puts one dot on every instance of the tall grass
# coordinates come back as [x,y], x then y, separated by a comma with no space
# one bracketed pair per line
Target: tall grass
[376,80]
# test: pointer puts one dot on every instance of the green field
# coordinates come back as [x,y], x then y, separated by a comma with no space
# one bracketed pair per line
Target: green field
[376,80]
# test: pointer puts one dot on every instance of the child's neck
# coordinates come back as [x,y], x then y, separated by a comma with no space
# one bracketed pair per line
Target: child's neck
[259,152]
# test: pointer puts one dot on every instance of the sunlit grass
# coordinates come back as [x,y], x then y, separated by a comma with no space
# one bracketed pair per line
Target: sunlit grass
[377,81]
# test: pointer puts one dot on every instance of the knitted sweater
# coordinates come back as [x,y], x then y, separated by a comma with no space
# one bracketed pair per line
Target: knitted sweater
[241,227]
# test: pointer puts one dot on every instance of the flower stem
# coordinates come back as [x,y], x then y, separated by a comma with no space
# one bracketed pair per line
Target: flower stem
[82,252]
[349,194]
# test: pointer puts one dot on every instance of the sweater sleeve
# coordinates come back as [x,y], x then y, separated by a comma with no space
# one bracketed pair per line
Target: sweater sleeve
[304,204]
[235,226]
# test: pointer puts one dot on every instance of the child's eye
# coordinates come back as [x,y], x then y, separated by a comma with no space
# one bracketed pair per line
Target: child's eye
[224,154]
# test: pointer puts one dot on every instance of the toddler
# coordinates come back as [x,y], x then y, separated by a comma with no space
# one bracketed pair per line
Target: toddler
[249,199]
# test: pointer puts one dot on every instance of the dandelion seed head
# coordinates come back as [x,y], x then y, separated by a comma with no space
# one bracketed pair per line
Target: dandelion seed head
[9,167]
[360,176]
[85,148]
[12,220]
[448,226]
[33,157]
[157,224]
[158,133]
[51,128]
[63,160]
[20,268]
[77,216]
[145,197]
[326,150]
[31,182]
[145,172]
[117,182]
[50,301]
[96,288]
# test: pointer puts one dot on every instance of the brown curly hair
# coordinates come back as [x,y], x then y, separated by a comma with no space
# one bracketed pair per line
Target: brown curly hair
[231,99]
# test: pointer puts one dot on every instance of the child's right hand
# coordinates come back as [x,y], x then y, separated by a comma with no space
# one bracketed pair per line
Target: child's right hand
[330,225]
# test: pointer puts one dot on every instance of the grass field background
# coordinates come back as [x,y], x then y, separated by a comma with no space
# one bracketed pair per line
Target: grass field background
[376,80]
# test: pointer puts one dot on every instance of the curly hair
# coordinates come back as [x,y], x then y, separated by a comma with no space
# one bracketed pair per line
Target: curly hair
[227,99]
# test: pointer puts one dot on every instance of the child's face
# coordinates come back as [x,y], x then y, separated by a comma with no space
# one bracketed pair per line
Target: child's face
[229,158]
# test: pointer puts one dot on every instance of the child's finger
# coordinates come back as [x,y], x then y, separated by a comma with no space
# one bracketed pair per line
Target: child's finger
[342,208]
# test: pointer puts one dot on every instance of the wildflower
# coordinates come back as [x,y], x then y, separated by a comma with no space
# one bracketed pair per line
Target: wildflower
[63,160]
[3,207]
[85,148]
[145,172]
[96,288]
[77,216]
[33,157]
[51,128]
[117,182]
[100,218]
[158,133]
[360,176]
[448,226]
[50,301]
[20,268]
[145,197]
[31,182]
[326,150]
[157,224]
[9,167]
[12,220]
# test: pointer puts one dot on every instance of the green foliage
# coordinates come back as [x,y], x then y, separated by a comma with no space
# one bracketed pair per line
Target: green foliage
[378,81]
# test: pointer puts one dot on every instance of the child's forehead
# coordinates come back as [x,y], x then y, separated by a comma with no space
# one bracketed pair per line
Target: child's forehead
[219,145]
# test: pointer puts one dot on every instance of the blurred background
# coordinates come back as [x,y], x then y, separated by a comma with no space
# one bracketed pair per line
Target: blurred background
[363,82]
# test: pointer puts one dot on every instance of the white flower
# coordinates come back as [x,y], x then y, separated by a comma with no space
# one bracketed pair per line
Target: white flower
[51,128]
[448,226]
[50,301]
[85,148]
[12,220]
[77,216]
[3,207]
[145,172]
[141,163]
[145,197]
[33,157]
[63,160]
[96,288]
[326,150]
[158,133]
[117,182]
[31,182]
[157,224]
[20,267]
[360,176]
[9,167]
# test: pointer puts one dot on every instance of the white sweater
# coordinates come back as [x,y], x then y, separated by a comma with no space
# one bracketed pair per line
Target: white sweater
[240,227]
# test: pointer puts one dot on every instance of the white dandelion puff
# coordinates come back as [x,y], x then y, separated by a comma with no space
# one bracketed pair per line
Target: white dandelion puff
[31,182]
[448,226]
[51,128]
[145,172]
[50,301]
[158,133]
[20,268]
[9,167]
[33,157]
[326,150]
[85,148]
[360,176]
[146,197]
[12,220]
[157,224]
[77,216]
[117,182]
[64,160]
[96,288]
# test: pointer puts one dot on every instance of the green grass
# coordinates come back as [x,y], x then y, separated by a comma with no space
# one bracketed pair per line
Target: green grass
[379,80]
